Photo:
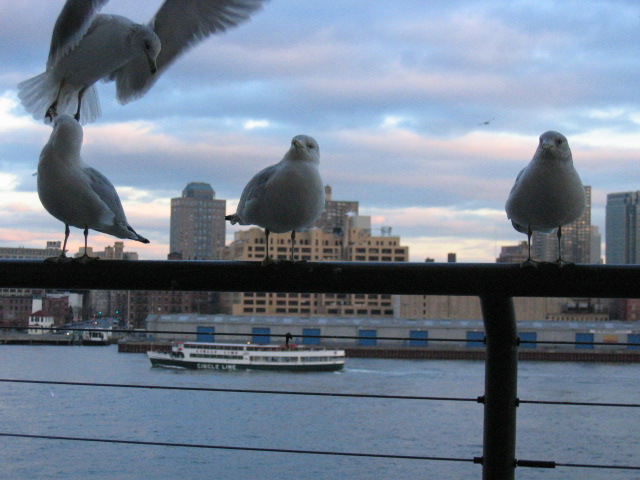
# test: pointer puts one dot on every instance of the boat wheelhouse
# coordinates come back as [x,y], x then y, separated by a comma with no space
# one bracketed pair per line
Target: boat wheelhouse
[239,356]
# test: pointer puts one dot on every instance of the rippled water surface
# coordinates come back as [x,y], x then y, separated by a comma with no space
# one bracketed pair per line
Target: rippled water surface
[329,424]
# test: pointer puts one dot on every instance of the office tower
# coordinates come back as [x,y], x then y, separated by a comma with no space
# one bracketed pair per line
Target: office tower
[596,245]
[335,214]
[197,223]
[623,228]
[576,239]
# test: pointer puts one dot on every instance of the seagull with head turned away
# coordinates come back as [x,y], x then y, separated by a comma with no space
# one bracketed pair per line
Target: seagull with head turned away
[286,196]
[87,46]
[548,193]
[76,194]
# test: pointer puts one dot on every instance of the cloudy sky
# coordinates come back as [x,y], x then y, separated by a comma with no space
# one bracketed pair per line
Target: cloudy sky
[425,112]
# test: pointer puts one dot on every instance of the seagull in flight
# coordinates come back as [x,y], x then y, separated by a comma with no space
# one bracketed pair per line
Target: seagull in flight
[87,46]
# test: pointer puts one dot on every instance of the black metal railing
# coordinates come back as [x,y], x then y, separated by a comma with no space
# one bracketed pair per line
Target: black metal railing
[494,284]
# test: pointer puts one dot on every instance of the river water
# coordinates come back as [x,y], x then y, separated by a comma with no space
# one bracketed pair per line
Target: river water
[565,434]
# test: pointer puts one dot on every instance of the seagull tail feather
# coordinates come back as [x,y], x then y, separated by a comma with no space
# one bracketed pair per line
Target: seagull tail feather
[37,94]
[233,219]
[133,235]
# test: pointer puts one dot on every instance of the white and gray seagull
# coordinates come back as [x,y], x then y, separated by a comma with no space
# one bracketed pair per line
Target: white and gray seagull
[286,196]
[87,46]
[73,192]
[548,193]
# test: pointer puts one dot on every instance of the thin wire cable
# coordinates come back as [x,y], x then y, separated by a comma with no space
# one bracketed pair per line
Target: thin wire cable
[581,404]
[283,335]
[240,390]
[521,463]
[332,337]
[230,447]
[301,393]
[599,466]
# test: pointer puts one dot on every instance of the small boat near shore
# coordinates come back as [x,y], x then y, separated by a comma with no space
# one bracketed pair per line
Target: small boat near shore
[95,337]
[240,356]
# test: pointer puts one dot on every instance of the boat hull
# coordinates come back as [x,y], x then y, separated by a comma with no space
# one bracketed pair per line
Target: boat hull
[160,360]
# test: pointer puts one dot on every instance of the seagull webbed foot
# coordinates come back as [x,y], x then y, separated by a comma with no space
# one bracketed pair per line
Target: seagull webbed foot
[529,263]
[59,259]
[85,259]
[561,263]
[52,112]
[268,261]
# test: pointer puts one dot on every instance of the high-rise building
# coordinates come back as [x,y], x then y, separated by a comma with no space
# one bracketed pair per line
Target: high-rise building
[623,228]
[336,212]
[197,223]
[596,245]
[576,240]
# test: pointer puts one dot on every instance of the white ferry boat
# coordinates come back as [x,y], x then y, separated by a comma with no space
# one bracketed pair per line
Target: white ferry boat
[238,356]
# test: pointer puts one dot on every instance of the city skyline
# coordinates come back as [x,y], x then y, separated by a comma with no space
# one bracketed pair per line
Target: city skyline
[425,113]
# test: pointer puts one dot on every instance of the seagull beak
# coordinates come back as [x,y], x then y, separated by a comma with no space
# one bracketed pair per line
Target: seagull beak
[152,64]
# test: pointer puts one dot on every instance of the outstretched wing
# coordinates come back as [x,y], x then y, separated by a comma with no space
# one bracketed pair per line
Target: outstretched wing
[180,24]
[72,24]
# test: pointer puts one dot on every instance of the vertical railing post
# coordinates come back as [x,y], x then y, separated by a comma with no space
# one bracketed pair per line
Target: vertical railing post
[500,397]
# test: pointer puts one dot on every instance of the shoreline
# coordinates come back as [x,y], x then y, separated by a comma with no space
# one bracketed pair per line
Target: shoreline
[608,355]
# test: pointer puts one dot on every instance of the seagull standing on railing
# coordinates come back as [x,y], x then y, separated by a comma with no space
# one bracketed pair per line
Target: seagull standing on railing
[76,194]
[87,46]
[286,196]
[548,193]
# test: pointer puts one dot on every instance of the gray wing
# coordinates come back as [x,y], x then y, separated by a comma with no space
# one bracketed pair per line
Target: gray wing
[254,190]
[72,24]
[180,24]
[106,191]
[515,184]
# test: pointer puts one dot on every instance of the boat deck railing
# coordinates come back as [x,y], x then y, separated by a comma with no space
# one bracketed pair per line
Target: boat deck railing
[495,285]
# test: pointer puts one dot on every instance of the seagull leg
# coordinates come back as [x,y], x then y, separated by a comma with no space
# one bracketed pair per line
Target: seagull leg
[63,255]
[561,262]
[529,262]
[52,111]
[267,259]
[86,258]
[293,243]
[80,95]
[67,231]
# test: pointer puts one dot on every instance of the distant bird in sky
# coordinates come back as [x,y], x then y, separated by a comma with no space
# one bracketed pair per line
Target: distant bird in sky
[487,122]
[286,196]
[548,193]
[87,46]
[76,194]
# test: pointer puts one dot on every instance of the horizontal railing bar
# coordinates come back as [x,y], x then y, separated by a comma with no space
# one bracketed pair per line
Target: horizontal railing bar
[545,280]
